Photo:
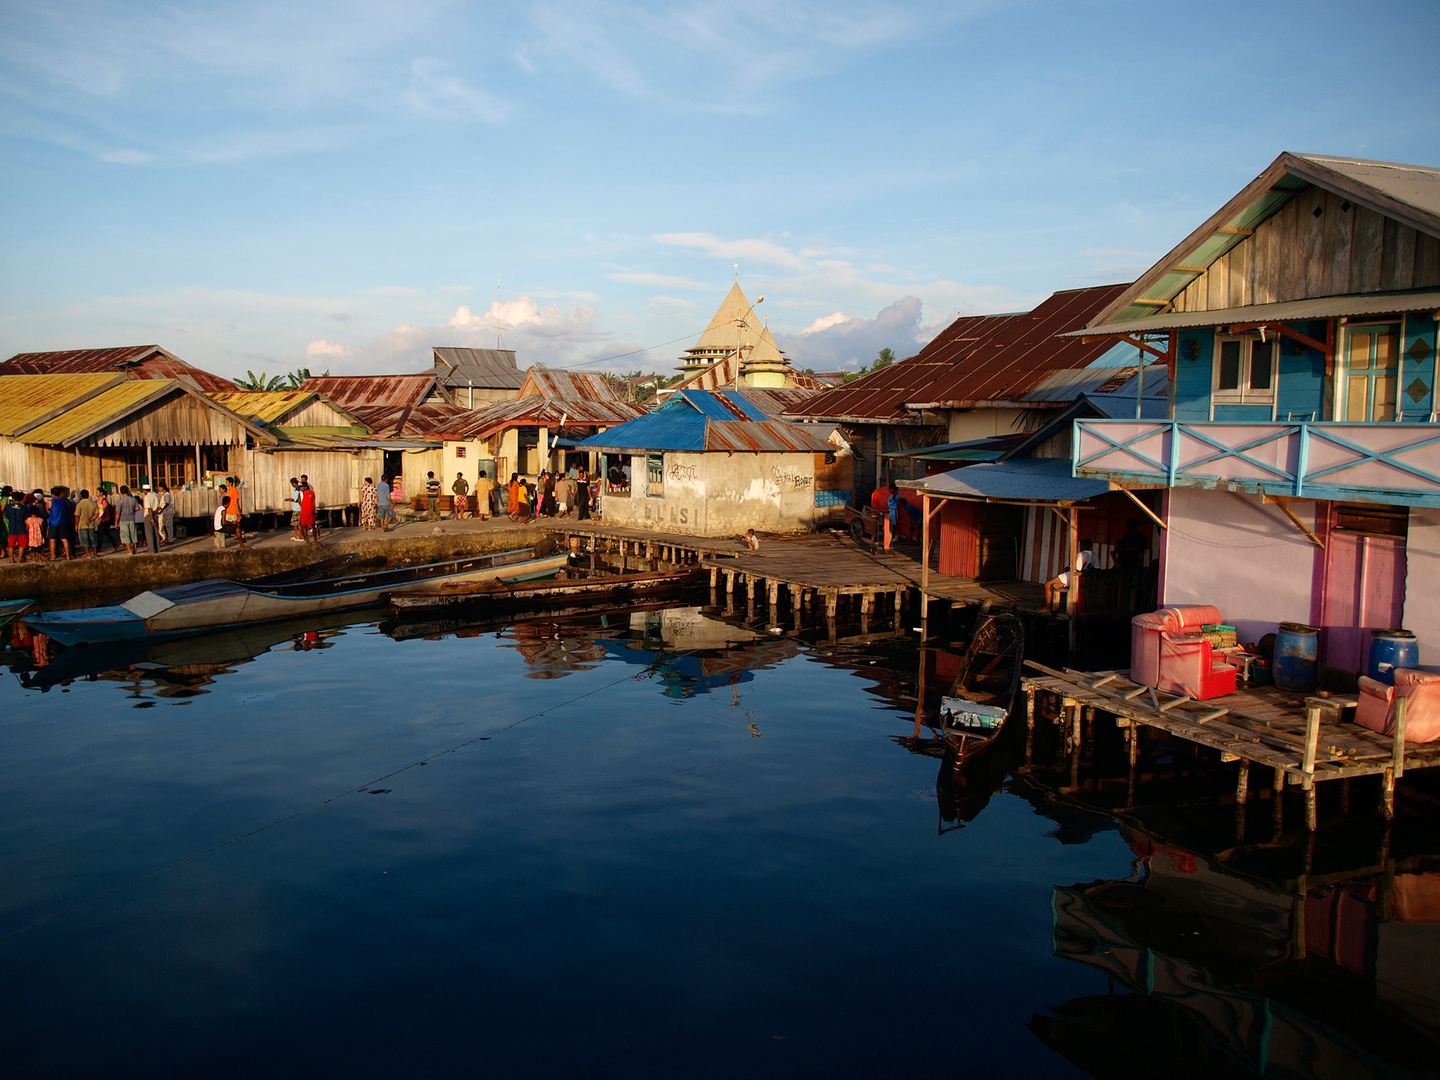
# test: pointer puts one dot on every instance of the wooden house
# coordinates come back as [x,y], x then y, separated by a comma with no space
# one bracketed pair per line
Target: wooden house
[983,376]
[710,463]
[476,378]
[538,429]
[83,430]
[1300,459]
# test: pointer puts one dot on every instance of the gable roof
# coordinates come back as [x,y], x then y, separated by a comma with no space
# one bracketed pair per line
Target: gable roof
[269,406]
[703,420]
[535,411]
[390,391]
[562,385]
[977,360]
[488,369]
[115,403]
[1408,194]
[138,361]
[28,400]
[721,376]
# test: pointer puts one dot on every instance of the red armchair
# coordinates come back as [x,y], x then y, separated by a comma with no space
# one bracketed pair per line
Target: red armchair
[1168,653]
[1421,691]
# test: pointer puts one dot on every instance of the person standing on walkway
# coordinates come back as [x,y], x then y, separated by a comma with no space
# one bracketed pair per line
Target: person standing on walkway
[167,514]
[16,516]
[432,495]
[460,489]
[512,505]
[384,508]
[106,528]
[87,518]
[295,533]
[232,509]
[582,496]
[369,505]
[60,521]
[307,514]
[152,518]
[565,494]
[484,489]
[125,507]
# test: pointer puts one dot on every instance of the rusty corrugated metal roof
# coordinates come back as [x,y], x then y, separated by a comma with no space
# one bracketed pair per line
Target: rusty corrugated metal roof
[536,411]
[486,369]
[26,400]
[138,361]
[567,385]
[976,359]
[390,391]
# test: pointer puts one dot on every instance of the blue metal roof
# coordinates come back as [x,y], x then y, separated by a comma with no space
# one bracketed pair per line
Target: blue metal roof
[1025,479]
[700,420]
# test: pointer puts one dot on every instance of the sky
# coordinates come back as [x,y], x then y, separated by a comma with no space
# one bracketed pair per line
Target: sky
[264,186]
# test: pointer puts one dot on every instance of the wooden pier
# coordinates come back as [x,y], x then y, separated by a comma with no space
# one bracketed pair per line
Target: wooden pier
[1304,741]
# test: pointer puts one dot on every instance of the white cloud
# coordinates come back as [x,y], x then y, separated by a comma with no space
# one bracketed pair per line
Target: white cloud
[825,322]
[434,93]
[321,347]
[837,341]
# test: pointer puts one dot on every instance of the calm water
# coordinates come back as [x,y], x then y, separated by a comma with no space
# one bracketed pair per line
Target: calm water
[662,846]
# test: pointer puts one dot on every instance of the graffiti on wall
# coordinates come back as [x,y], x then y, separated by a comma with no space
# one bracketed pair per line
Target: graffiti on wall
[787,479]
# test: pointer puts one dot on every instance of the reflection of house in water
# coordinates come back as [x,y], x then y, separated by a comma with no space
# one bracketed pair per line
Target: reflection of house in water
[1227,977]
[690,653]
[174,668]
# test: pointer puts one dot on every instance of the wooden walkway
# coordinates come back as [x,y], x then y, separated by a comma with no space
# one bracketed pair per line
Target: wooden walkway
[1304,741]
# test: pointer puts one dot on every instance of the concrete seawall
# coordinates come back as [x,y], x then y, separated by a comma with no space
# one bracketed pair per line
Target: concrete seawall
[130,574]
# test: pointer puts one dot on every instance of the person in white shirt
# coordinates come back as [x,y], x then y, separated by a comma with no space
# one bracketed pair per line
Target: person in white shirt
[1085,559]
[151,506]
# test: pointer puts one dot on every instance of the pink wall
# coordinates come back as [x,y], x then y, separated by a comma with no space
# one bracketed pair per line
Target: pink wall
[1246,558]
[1422,584]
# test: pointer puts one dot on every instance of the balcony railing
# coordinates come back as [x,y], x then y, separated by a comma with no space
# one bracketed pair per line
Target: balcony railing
[1394,463]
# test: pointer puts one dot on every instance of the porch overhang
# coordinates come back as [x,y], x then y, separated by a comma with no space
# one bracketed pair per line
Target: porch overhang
[1398,464]
[1289,311]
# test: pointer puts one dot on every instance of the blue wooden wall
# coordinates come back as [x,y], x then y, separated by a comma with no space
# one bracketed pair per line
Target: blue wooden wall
[1192,377]
[1417,367]
[1301,390]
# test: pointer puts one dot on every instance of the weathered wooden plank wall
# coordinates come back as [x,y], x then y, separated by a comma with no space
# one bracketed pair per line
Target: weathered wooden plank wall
[1297,254]
[175,421]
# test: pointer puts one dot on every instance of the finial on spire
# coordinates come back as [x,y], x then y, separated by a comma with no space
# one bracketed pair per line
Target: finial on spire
[737,273]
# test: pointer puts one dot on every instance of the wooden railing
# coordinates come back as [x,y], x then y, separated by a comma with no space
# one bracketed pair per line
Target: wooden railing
[1396,463]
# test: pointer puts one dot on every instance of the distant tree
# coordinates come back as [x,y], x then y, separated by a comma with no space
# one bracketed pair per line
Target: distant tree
[885,359]
[260,382]
[299,375]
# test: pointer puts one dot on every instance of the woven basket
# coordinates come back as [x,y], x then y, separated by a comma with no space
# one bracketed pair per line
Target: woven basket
[1220,636]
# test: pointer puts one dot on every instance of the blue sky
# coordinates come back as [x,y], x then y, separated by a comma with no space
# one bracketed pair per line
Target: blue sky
[344,185]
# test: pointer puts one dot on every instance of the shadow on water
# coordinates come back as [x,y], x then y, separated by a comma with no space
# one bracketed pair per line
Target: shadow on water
[1234,946]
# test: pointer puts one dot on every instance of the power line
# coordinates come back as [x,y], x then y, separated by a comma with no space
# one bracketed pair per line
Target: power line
[633,352]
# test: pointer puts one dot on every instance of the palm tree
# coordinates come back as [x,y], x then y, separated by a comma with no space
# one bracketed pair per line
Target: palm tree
[299,375]
[260,382]
[885,359]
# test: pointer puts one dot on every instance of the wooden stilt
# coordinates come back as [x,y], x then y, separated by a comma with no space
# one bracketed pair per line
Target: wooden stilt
[1242,783]
[1387,794]
[1311,809]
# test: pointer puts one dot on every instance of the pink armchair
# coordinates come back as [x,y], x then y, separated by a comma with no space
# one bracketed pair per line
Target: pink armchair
[1168,653]
[1421,691]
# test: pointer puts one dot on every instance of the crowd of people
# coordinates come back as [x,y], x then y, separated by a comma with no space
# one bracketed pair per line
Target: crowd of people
[554,495]
[41,526]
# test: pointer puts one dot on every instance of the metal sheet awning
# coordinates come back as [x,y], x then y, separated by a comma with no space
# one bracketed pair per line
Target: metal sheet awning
[987,449]
[1324,307]
[1027,480]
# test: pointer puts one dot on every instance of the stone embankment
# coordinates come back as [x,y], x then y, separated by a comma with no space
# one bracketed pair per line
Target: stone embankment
[196,560]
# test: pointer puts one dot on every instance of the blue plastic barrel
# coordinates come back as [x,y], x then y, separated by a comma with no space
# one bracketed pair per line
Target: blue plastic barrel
[1296,650]
[1391,649]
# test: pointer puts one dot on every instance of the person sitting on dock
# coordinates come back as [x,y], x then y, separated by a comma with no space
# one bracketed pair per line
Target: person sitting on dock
[750,540]
[1085,559]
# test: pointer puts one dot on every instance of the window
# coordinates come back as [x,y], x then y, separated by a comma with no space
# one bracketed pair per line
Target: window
[459,452]
[1245,371]
[617,474]
[655,475]
[1371,369]
[173,466]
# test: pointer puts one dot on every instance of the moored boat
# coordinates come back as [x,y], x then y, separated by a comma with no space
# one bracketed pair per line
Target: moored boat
[983,694]
[451,596]
[184,609]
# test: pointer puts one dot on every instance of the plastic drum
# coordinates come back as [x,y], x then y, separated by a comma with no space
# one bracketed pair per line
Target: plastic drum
[1296,652]
[1391,649]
